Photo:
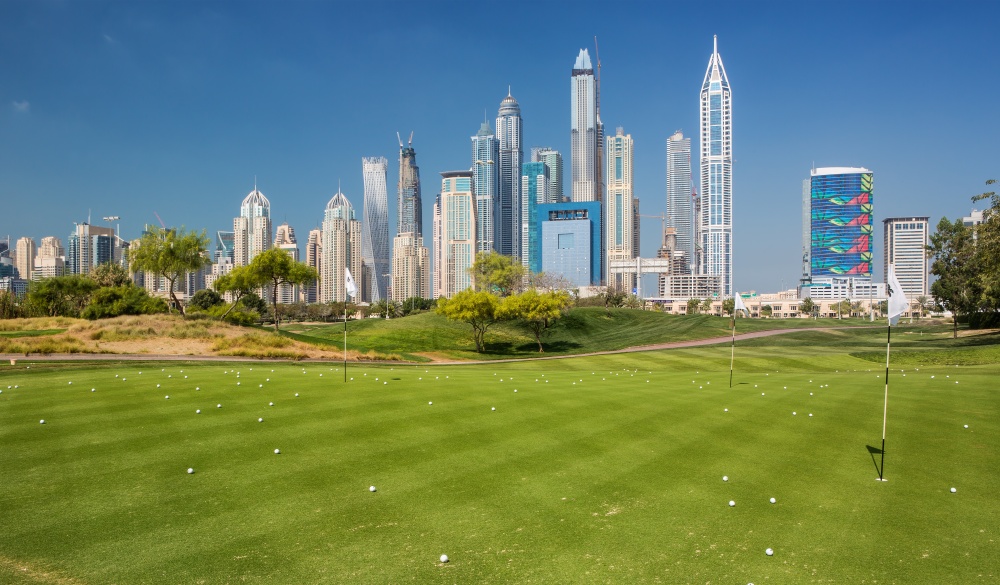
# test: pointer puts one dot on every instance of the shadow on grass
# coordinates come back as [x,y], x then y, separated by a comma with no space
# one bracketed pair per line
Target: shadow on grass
[873,451]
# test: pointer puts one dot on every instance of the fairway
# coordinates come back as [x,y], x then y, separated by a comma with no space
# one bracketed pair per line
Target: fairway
[602,469]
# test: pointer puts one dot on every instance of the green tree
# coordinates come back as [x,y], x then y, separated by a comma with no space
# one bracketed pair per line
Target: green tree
[706,305]
[958,287]
[170,254]
[110,274]
[693,306]
[113,301]
[62,295]
[480,309]
[766,311]
[205,299]
[239,283]
[274,268]
[843,307]
[496,273]
[987,238]
[729,306]
[807,306]
[535,311]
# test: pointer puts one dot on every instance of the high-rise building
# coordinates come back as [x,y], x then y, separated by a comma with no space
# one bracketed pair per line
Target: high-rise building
[458,223]
[284,239]
[411,267]
[680,207]
[716,222]
[89,246]
[51,247]
[252,229]
[24,257]
[584,139]
[905,242]
[620,212]
[839,207]
[554,161]
[485,186]
[410,207]
[375,231]
[50,259]
[535,183]
[507,230]
[225,245]
[437,236]
[314,253]
[570,235]
[341,249]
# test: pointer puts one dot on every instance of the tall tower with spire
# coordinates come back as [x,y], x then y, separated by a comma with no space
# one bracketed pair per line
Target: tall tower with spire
[584,162]
[375,230]
[485,184]
[252,229]
[410,207]
[508,210]
[715,221]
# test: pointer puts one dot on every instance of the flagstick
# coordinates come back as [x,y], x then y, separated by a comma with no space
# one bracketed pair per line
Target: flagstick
[732,355]
[345,341]
[885,407]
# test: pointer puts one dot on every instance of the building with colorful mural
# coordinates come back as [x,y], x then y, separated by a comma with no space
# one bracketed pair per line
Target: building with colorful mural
[840,222]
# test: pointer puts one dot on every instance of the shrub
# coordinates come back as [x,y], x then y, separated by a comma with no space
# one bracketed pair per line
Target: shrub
[122,300]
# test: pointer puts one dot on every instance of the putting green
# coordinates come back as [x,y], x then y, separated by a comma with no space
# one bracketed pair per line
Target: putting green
[602,469]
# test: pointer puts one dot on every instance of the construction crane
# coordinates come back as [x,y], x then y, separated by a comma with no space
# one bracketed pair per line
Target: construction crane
[163,225]
[663,221]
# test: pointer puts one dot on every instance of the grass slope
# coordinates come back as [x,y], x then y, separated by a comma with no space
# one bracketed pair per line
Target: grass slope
[600,469]
[584,329]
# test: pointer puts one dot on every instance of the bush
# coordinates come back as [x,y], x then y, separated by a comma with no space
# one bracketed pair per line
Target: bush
[206,299]
[237,316]
[122,300]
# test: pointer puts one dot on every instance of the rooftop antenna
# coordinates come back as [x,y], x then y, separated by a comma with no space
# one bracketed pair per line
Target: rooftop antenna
[255,182]
[508,85]
[715,44]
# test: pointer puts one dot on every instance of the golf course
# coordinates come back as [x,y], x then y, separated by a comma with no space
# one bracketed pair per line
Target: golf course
[643,467]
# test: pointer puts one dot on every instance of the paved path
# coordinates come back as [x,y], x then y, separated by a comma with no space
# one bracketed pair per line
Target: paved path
[127,357]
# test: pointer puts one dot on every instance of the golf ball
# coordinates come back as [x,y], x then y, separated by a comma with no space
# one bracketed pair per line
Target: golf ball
[296,394]
[93,389]
[773,500]
[270,404]
[41,422]
[725,410]
[429,403]
[769,552]
[444,558]
[732,503]
[966,426]
[494,408]
[371,488]
[953,490]
[71,382]
[198,411]
[190,469]
[218,406]
[167,397]
[260,420]
[725,478]
[277,451]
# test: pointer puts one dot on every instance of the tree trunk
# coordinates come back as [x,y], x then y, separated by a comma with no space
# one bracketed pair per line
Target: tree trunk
[180,307]
[231,307]
[274,304]
[954,321]
[538,338]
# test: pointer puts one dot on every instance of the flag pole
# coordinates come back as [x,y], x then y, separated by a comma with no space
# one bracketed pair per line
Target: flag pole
[885,406]
[345,340]
[732,354]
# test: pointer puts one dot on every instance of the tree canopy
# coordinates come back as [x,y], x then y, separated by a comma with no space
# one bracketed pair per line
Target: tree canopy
[274,268]
[170,254]
[535,311]
[958,287]
[496,273]
[480,309]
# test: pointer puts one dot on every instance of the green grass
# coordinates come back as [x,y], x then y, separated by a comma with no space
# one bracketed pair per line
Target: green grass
[584,329]
[606,469]
[31,333]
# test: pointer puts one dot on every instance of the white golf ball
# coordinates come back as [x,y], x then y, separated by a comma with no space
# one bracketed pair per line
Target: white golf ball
[277,451]
[515,389]
[190,469]
[953,490]
[296,394]
[157,385]
[725,478]
[93,389]
[793,413]
[494,408]
[41,422]
[732,503]
[444,558]
[810,414]
[371,488]
[237,383]
[167,397]
[260,420]
[270,404]
[966,426]
[71,382]
[773,500]
[429,403]
[769,552]
[725,410]
[198,411]
[197,388]
[218,406]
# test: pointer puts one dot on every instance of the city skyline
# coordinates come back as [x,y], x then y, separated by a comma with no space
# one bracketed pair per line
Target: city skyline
[171,128]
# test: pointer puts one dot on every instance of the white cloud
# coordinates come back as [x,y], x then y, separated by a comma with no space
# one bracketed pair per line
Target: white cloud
[21,106]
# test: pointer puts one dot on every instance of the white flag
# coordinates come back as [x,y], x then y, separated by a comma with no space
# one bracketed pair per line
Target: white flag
[739,306]
[352,288]
[897,300]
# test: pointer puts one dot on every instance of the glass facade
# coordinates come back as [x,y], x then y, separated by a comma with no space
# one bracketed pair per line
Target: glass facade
[715,224]
[570,236]
[841,223]
[486,184]
[535,181]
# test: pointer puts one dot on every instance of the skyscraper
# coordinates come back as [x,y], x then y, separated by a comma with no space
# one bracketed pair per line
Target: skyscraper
[285,240]
[410,207]
[89,246]
[50,260]
[458,223]
[437,236]
[252,229]
[906,249]
[680,207]
[535,183]
[507,230]
[411,267]
[224,245]
[716,222]
[375,230]
[552,159]
[584,163]
[485,185]
[24,257]
[341,249]
[840,222]
[314,254]
[620,211]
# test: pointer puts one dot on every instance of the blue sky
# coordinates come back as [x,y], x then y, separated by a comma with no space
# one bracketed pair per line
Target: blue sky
[173,107]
